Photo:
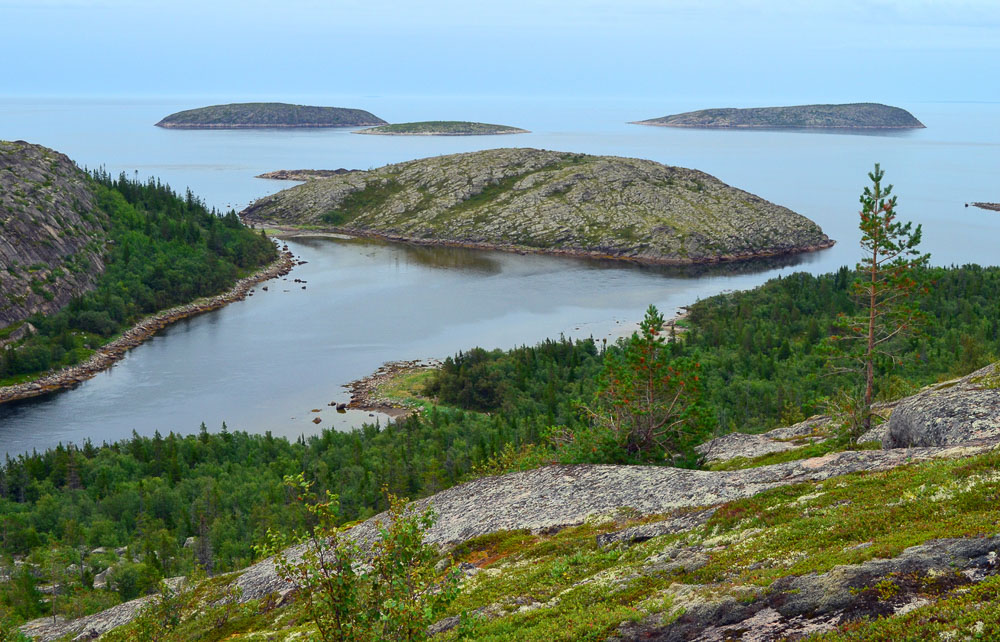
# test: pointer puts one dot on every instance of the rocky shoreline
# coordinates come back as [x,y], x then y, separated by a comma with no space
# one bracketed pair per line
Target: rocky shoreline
[292,231]
[365,391]
[110,353]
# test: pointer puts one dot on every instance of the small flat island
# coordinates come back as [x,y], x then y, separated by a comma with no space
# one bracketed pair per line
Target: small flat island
[848,116]
[260,115]
[442,128]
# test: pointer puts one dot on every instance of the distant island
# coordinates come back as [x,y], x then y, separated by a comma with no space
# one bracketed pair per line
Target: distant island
[442,128]
[253,115]
[849,116]
[531,200]
[304,174]
[995,207]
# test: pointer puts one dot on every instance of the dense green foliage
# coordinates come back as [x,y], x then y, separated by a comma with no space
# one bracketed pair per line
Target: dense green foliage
[647,407]
[761,363]
[762,356]
[394,592]
[163,250]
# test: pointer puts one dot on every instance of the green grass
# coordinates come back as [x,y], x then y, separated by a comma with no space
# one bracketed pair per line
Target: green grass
[369,199]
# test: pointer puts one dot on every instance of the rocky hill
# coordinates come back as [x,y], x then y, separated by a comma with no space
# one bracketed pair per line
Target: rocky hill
[898,543]
[249,115]
[51,233]
[442,128]
[546,201]
[849,116]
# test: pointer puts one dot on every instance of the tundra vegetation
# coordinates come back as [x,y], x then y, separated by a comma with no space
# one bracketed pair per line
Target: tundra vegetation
[482,412]
[547,201]
[745,360]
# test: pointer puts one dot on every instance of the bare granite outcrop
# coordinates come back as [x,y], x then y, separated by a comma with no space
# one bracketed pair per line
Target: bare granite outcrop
[531,200]
[957,411]
[52,233]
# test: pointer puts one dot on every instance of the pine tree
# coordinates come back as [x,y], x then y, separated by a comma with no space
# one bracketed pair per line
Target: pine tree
[884,289]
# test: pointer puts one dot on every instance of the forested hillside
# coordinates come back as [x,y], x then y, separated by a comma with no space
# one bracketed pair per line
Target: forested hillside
[159,250]
[760,361]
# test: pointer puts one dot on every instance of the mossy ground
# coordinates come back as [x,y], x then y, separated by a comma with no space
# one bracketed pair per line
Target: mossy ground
[563,586]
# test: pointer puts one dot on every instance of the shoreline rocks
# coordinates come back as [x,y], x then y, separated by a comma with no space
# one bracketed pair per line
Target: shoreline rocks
[112,352]
[365,394]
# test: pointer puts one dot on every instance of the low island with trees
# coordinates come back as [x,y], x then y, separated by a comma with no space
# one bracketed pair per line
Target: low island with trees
[845,116]
[263,115]
[532,200]
[442,128]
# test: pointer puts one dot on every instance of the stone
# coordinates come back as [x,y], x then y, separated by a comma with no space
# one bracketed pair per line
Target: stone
[956,412]
[553,202]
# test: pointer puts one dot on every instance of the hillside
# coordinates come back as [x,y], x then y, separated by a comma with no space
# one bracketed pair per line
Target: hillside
[898,543]
[248,115]
[442,128]
[83,258]
[552,202]
[52,234]
[849,116]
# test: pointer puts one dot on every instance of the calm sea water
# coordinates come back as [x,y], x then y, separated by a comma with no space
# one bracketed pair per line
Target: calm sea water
[265,363]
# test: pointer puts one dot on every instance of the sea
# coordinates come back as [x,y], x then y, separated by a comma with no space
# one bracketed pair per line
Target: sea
[270,362]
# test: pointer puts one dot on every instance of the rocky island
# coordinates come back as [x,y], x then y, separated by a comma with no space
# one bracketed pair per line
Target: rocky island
[253,115]
[442,128]
[532,200]
[848,116]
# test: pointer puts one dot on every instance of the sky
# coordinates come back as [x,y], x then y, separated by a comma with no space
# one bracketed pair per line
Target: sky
[748,52]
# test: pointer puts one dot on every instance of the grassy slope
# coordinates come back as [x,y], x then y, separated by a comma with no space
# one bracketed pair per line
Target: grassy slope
[565,587]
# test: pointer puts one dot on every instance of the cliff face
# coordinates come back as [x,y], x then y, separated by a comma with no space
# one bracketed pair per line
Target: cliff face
[52,234]
[537,200]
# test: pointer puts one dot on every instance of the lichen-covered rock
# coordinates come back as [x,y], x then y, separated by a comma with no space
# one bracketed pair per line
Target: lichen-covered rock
[795,606]
[545,201]
[51,232]
[551,498]
[88,627]
[960,411]
[742,445]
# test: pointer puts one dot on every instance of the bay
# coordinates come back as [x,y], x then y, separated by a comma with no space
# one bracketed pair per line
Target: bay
[265,363]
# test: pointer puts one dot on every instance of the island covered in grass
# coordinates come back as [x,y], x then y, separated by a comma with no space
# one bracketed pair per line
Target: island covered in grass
[252,115]
[442,128]
[848,116]
[532,200]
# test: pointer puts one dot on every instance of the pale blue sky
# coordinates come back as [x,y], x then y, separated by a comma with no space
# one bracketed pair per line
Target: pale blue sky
[737,51]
